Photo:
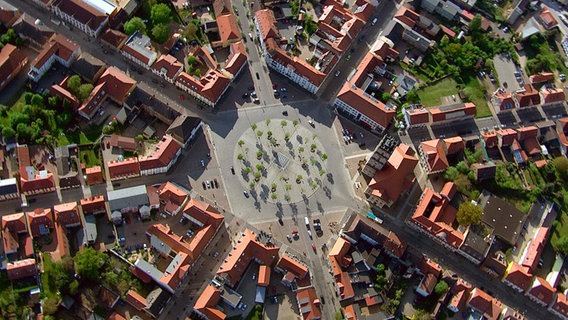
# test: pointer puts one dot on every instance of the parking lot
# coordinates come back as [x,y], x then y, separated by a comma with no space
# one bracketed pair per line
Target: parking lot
[506,69]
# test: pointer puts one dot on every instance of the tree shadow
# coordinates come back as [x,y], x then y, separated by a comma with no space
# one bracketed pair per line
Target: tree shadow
[330,178]
[305,199]
[257,205]
[300,139]
[245,175]
[294,209]
[279,210]
[327,191]
[320,207]
[264,193]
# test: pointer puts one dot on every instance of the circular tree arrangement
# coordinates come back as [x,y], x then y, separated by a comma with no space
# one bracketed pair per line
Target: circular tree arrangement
[288,163]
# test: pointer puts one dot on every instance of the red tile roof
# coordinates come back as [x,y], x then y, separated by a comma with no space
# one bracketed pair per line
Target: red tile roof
[136,300]
[437,216]
[263,276]
[519,276]
[550,95]
[407,16]
[435,153]
[127,167]
[507,136]
[542,77]
[15,223]
[36,183]
[113,37]
[299,65]
[448,112]
[490,307]
[503,99]
[561,304]
[170,192]
[375,110]
[21,269]
[164,153]
[66,213]
[38,220]
[122,142]
[267,23]
[547,18]
[115,316]
[59,46]
[167,236]
[308,303]
[417,115]
[527,132]
[490,138]
[241,255]
[12,60]
[337,256]
[228,27]
[203,212]
[94,175]
[542,290]
[454,144]
[93,204]
[82,12]
[168,63]
[389,183]
[207,302]
[291,265]
[114,84]
[530,97]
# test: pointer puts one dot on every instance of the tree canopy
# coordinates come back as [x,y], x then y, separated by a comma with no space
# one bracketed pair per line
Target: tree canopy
[160,33]
[133,25]
[160,13]
[441,288]
[561,166]
[89,262]
[562,245]
[469,214]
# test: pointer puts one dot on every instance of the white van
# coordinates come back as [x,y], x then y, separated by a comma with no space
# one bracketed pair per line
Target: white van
[374,22]
[307,221]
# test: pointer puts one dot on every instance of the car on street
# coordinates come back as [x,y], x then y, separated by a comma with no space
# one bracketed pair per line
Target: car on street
[202,163]
[337,73]
[232,170]
[307,222]
[208,184]
[310,234]
[285,113]
[361,134]
[254,276]
[317,224]
[283,89]
[246,194]
[245,95]
[283,96]
[289,237]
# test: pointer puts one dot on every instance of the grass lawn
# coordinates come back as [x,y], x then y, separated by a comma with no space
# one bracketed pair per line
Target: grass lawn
[431,95]
[559,229]
[90,156]
[17,106]
[89,135]
[476,93]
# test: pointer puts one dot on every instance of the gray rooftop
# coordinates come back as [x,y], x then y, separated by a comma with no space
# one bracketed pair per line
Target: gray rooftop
[127,198]
[148,268]
[141,44]
[8,186]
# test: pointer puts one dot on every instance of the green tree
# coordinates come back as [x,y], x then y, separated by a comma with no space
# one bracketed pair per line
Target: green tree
[468,214]
[283,123]
[475,24]
[8,132]
[37,100]
[84,91]
[192,60]
[240,143]
[161,33]
[190,31]
[160,14]
[412,96]
[74,287]
[562,245]
[441,288]
[450,173]
[133,25]
[560,164]
[385,97]
[73,84]
[421,314]
[89,262]
[49,305]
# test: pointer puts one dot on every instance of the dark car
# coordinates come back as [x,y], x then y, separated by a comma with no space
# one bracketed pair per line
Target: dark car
[232,170]
[285,113]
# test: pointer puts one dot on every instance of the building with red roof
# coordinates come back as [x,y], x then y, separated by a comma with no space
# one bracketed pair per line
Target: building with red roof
[207,89]
[532,253]
[453,112]
[172,197]
[485,304]
[202,214]
[136,300]
[503,100]
[206,304]
[396,177]
[263,276]
[528,96]
[93,205]
[32,181]
[338,36]
[138,49]
[127,168]
[541,77]
[436,217]
[113,84]
[490,138]
[506,137]
[286,265]
[546,18]
[541,292]
[518,277]
[416,116]
[163,157]
[552,95]
[21,269]
[94,175]
[308,303]
[40,222]
[167,67]
[15,236]
[67,214]
[12,61]
[560,306]
[247,249]
[459,292]
[338,261]
[83,16]
[433,155]
[237,59]
[58,49]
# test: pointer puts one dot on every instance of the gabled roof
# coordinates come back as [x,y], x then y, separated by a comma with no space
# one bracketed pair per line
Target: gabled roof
[21,269]
[39,220]
[391,242]
[82,12]
[228,27]
[503,99]
[164,153]
[542,290]
[66,213]
[518,275]
[484,303]
[266,22]
[114,38]
[407,16]
[26,27]
[263,276]
[207,302]
[59,46]
[541,77]
[8,13]
[182,127]
[127,167]
[507,136]
[435,153]
[221,7]
[203,212]
[122,142]
[561,304]
[168,63]
[530,97]
[94,175]
[389,183]
[93,204]
[454,144]
[113,83]
[291,265]
[88,67]
[490,138]
[15,223]
[12,60]
[374,109]
[299,65]
[526,132]
[308,303]
[136,300]
[242,253]
[552,95]
[139,46]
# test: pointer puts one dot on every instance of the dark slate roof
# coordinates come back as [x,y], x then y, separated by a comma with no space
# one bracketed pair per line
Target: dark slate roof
[25,26]
[182,126]
[88,66]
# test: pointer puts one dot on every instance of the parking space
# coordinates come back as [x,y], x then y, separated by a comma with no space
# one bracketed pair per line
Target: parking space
[507,118]
[554,111]
[529,115]
[506,70]
[354,138]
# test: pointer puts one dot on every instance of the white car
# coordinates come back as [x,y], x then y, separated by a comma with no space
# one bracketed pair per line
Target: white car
[337,73]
